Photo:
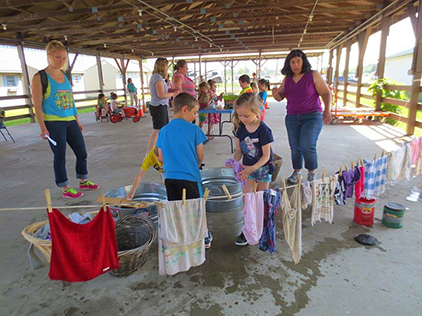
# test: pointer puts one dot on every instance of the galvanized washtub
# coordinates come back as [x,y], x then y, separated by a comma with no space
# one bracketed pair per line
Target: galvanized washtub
[146,192]
[213,179]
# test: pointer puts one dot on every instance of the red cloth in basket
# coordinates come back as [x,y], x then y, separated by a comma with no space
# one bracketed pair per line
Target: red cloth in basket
[81,252]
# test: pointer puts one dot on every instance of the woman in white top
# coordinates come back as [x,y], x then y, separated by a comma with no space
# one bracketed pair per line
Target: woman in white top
[159,98]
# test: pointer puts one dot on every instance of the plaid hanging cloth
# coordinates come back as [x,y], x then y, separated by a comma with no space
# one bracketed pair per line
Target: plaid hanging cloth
[81,252]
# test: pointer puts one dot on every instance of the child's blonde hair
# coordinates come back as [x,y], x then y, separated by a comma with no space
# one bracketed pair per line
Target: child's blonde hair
[52,47]
[249,101]
[204,84]
[159,67]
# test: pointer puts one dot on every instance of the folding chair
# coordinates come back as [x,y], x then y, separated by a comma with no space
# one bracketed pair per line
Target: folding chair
[2,126]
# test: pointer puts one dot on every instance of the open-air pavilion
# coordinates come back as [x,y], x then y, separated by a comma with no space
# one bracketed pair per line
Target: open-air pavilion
[335,276]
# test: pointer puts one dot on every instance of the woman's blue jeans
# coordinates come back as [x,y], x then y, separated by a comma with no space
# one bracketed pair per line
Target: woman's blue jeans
[67,132]
[303,131]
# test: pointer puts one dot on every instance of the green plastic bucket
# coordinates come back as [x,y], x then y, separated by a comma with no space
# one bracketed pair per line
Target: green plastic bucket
[393,215]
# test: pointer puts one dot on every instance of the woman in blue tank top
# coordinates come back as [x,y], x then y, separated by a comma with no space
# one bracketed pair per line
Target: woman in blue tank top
[58,120]
[303,87]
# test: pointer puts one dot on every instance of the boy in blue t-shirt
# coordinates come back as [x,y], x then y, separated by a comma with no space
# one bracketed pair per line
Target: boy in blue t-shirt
[180,147]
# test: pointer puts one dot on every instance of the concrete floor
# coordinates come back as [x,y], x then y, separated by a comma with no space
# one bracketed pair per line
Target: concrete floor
[336,276]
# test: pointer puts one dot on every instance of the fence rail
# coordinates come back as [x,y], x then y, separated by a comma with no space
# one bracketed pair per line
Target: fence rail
[394,116]
[26,98]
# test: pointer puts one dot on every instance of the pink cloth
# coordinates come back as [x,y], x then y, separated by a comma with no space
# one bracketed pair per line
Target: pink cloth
[253,213]
[415,147]
[360,185]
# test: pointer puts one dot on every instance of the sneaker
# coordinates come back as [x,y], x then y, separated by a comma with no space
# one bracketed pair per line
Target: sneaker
[241,240]
[88,185]
[311,176]
[208,240]
[71,194]
[293,178]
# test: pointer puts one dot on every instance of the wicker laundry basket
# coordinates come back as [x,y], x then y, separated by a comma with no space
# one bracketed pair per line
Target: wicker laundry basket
[42,244]
[135,234]
[277,161]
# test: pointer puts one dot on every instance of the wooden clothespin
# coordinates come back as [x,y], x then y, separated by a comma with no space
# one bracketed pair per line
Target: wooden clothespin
[255,187]
[226,191]
[340,171]
[103,200]
[323,174]
[206,194]
[375,157]
[184,196]
[346,167]
[48,199]
[361,162]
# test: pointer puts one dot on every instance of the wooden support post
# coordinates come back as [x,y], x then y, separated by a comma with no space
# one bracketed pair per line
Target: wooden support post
[338,56]
[225,78]
[346,72]
[385,28]
[416,71]
[26,82]
[100,73]
[362,42]
[205,66]
[194,71]
[231,66]
[141,68]
[199,67]
[330,68]
[70,67]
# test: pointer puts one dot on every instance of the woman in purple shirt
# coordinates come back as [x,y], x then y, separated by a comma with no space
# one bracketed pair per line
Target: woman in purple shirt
[302,87]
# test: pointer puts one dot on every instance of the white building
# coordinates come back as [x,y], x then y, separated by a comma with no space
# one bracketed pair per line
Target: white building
[398,65]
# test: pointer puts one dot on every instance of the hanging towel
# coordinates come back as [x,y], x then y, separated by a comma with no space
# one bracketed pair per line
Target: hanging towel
[351,176]
[272,201]
[323,199]
[418,168]
[253,213]
[292,222]
[81,252]
[340,190]
[381,165]
[399,164]
[237,167]
[360,184]
[181,233]
[415,150]
[306,194]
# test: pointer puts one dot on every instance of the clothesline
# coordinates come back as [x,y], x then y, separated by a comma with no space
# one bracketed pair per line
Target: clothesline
[144,204]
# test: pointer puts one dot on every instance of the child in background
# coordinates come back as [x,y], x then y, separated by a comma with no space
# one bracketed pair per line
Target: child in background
[101,107]
[213,118]
[114,106]
[181,149]
[151,160]
[254,88]
[263,85]
[204,99]
[244,82]
[132,92]
[253,142]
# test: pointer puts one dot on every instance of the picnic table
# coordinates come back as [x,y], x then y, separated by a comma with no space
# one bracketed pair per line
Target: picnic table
[221,122]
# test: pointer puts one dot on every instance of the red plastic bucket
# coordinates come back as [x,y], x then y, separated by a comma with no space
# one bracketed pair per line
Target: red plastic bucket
[364,211]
